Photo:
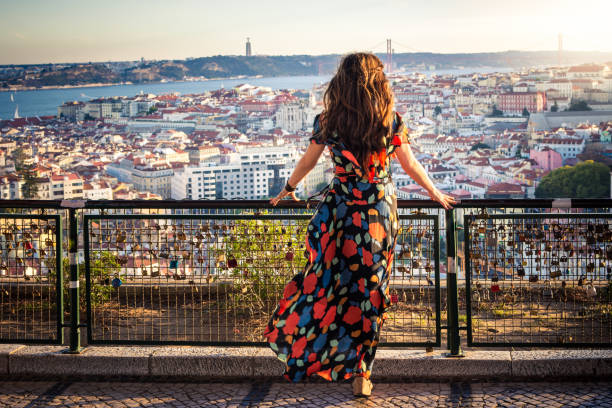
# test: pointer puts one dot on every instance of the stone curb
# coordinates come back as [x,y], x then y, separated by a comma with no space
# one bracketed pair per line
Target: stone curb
[258,363]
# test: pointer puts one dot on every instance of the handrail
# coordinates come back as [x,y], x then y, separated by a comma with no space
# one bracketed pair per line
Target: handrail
[230,204]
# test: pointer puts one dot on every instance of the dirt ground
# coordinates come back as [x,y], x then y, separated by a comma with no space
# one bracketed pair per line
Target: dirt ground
[526,315]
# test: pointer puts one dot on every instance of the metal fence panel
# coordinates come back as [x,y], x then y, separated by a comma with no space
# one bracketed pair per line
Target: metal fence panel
[31,279]
[539,279]
[215,279]
[414,316]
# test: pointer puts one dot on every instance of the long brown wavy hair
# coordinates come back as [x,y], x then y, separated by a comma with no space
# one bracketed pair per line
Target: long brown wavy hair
[358,106]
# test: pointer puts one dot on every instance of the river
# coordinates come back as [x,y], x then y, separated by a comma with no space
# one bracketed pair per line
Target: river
[45,101]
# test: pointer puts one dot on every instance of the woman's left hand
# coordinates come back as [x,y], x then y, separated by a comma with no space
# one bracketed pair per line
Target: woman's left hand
[445,200]
[283,194]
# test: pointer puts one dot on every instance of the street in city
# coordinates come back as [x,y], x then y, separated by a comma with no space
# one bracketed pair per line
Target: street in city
[30,394]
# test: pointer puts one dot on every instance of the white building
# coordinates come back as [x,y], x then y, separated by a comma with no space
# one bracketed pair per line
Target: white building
[292,117]
[254,174]
[318,177]
[154,177]
[563,87]
[10,187]
[568,148]
[97,191]
[67,186]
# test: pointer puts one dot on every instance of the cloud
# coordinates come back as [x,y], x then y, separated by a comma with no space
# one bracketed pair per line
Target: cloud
[20,36]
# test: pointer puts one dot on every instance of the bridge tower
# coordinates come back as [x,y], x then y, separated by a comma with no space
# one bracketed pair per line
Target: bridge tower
[560,52]
[389,56]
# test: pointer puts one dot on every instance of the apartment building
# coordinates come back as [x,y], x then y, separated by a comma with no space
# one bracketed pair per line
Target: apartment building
[568,148]
[97,191]
[10,187]
[254,174]
[68,186]
[515,102]
[155,178]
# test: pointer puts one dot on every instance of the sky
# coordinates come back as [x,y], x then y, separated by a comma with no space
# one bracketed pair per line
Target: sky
[40,31]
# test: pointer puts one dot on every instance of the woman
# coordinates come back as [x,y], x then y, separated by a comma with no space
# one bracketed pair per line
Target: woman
[329,319]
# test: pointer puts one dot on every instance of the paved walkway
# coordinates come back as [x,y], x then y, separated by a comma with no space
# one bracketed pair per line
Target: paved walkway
[269,394]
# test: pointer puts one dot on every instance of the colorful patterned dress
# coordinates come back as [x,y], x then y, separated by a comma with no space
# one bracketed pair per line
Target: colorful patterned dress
[329,319]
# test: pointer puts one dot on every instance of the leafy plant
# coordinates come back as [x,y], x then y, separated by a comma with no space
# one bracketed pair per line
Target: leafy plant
[262,255]
[104,267]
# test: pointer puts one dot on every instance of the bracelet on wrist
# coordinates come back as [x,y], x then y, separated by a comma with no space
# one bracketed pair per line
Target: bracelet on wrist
[289,188]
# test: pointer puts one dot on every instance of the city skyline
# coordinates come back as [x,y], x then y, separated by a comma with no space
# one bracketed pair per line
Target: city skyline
[66,31]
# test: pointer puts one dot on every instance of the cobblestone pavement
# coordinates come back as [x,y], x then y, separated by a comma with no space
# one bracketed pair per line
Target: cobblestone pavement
[31,394]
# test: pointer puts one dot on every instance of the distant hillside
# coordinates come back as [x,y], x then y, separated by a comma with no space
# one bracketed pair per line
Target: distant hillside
[293,65]
[510,59]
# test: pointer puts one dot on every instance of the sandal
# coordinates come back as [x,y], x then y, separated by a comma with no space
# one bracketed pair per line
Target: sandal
[362,387]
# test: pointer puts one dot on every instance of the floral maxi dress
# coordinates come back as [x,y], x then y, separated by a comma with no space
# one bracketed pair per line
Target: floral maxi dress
[329,319]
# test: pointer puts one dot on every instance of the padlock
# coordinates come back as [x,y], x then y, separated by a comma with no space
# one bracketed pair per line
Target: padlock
[591,291]
[116,282]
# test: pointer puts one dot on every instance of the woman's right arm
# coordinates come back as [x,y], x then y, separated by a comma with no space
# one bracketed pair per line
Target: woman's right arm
[414,169]
[303,167]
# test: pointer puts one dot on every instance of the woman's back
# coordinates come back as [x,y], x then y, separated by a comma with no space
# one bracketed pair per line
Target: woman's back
[329,319]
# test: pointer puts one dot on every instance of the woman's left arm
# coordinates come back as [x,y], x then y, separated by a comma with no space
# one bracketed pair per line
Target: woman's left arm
[304,166]
[414,169]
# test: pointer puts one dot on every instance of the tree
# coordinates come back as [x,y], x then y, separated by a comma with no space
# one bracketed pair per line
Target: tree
[496,112]
[480,146]
[19,157]
[555,107]
[437,110]
[518,152]
[152,110]
[579,105]
[29,189]
[584,180]
[525,112]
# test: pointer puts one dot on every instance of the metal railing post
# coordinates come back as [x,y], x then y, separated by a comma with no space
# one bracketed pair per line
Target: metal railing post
[75,331]
[454,341]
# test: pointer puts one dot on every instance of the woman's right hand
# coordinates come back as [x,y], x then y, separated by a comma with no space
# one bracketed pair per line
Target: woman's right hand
[444,199]
[283,194]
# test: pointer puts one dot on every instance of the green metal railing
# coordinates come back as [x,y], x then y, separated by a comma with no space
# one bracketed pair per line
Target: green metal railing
[538,279]
[211,273]
[214,279]
[31,311]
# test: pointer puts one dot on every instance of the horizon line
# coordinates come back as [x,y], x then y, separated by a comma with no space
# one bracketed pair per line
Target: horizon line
[294,55]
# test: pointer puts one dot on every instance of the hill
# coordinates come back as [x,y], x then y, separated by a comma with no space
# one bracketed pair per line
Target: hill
[225,66]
